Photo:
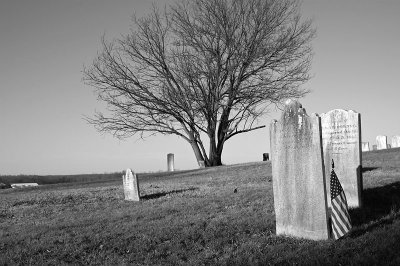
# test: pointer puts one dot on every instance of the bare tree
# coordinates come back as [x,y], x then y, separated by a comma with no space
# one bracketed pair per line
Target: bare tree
[202,70]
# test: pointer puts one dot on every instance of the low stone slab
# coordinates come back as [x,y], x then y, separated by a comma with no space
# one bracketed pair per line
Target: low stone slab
[298,174]
[22,185]
[131,186]
[381,142]
[396,142]
[341,140]
[365,146]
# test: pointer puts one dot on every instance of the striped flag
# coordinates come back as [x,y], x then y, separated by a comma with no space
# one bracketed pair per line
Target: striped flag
[340,217]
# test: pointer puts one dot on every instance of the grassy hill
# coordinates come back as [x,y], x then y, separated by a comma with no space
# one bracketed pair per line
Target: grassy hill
[192,217]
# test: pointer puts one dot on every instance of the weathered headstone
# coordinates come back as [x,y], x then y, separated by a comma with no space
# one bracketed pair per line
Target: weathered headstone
[298,174]
[374,148]
[381,142]
[341,141]
[131,186]
[365,146]
[396,142]
[170,162]
[265,157]
[202,164]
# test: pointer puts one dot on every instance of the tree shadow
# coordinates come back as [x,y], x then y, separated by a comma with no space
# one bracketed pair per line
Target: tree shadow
[380,205]
[163,194]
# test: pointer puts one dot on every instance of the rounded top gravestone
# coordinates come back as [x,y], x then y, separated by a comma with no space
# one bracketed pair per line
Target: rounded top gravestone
[341,141]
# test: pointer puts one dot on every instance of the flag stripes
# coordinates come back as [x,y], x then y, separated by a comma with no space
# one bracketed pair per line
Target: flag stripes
[340,217]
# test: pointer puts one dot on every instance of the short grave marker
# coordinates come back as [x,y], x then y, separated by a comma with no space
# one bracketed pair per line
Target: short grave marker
[381,142]
[170,162]
[365,146]
[396,142]
[131,186]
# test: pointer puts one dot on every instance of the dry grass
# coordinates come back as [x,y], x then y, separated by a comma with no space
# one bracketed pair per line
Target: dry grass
[191,217]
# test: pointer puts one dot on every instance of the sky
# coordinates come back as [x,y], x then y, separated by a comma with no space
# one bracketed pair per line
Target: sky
[44,45]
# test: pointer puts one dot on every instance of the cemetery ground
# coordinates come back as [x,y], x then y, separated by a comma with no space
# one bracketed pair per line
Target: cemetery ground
[222,215]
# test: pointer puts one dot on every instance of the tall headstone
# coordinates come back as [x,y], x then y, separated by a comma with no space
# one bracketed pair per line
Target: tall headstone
[381,142]
[265,157]
[365,146]
[396,142]
[298,174]
[170,162]
[131,186]
[341,141]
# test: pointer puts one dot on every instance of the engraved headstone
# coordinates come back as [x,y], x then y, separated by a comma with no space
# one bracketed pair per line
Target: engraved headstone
[265,157]
[381,142]
[365,146]
[396,142]
[131,186]
[170,162]
[298,174]
[341,141]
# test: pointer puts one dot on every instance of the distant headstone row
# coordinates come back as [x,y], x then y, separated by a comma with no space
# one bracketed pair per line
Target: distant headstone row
[302,148]
[382,143]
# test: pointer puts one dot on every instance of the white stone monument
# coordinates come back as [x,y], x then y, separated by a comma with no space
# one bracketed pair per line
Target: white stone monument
[298,174]
[396,142]
[170,162]
[365,146]
[381,142]
[341,140]
[131,186]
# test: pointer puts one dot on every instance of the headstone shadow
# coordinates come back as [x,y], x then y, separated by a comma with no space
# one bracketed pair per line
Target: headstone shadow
[378,203]
[368,169]
[163,194]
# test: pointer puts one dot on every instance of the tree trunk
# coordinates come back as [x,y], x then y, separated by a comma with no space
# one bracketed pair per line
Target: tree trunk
[197,153]
[215,154]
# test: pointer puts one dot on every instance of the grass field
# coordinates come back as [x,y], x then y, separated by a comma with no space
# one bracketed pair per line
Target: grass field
[192,217]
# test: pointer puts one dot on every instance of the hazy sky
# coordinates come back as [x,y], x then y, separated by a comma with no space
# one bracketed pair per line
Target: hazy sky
[45,43]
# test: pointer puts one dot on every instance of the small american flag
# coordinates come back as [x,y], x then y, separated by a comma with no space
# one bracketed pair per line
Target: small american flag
[340,217]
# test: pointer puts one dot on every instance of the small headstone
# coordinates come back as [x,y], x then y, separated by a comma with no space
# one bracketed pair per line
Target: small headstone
[298,174]
[396,142]
[341,140]
[170,162]
[374,148]
[131,186]
[265,157]
[365,146]
[381,142]
[202,164]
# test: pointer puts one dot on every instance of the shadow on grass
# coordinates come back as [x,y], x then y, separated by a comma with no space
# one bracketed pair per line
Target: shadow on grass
[380,205]
[163,194]
[367,169]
